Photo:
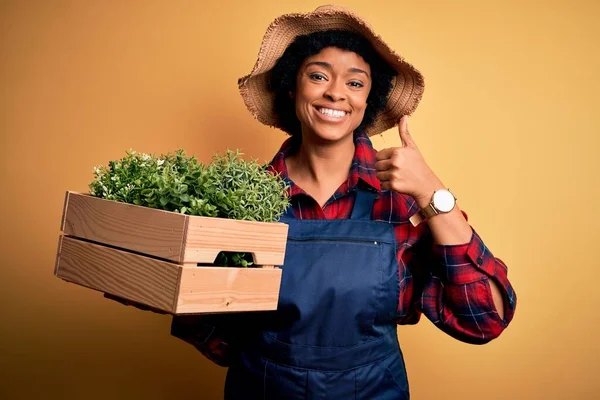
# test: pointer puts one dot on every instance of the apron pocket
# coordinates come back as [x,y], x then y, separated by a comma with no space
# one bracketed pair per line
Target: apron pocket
[264,380]
[395,374]
[383,380]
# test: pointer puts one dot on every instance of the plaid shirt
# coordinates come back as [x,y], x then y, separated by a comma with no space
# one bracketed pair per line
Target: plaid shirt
[449,284]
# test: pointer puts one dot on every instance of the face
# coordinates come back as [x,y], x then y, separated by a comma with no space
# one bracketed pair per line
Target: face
[331,94]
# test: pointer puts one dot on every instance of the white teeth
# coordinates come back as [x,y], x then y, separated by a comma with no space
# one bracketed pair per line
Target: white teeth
[332,113]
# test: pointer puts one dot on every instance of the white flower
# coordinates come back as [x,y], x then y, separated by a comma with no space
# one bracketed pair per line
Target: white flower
[145,157]
[160,162]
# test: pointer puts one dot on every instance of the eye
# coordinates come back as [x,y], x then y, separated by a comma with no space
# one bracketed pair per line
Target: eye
[356,84]
[317,77]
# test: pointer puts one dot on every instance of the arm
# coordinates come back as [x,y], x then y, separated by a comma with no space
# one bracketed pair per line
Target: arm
[467,293]
[210,334]
[452,229]
[467,286]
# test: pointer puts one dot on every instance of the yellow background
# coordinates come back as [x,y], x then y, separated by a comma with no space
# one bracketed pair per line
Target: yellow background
[509,121]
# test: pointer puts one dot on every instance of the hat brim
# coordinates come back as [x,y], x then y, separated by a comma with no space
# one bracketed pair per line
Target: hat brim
[407,87]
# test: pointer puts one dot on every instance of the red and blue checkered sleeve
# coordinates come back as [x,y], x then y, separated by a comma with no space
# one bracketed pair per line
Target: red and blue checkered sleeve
[458,297]
[212,335]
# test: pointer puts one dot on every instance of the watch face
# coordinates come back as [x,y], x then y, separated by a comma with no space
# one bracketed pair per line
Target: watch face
[443,200]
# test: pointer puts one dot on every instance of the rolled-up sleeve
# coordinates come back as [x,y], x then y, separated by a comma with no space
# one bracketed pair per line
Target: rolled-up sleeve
[209,334]
[457,297]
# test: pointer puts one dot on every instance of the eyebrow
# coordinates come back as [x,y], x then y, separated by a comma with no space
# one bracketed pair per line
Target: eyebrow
[327,65]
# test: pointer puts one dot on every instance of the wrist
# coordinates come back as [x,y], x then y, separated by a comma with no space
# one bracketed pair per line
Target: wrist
[424,197]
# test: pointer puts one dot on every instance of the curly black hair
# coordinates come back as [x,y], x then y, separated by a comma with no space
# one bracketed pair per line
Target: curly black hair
[283,75]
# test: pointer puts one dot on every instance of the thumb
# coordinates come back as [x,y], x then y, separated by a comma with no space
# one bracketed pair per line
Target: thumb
[405,137]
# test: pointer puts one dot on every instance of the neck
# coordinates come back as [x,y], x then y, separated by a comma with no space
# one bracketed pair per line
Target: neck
[324,164]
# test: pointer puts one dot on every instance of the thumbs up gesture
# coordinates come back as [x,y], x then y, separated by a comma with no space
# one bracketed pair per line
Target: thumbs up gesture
[404,170]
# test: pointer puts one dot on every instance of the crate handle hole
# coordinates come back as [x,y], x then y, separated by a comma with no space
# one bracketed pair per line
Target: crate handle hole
[235,259]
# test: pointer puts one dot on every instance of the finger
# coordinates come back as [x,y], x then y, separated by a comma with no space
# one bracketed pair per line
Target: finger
[384,176]
[394,185]
[383,165]
[384,154]
[386,185]
[405,138]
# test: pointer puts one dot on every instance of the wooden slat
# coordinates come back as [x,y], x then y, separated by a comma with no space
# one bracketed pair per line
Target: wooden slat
[57,254]
[206,237]
[64,212]
[128,275]
[223,289]
[150,231]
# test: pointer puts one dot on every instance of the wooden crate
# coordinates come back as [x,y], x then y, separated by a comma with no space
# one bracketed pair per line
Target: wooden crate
[164,259]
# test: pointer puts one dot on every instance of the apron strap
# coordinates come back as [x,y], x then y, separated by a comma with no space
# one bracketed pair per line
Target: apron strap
[363,205]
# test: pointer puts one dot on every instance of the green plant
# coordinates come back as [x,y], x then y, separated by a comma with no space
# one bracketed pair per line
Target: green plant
[228,187]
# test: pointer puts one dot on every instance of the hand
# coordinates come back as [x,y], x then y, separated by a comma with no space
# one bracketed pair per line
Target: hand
[133,303]
[403,169]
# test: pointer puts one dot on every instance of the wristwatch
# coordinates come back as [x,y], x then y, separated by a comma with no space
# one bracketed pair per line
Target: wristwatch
[443,201]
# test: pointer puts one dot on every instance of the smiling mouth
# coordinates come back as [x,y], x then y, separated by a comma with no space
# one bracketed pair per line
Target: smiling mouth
[331,112]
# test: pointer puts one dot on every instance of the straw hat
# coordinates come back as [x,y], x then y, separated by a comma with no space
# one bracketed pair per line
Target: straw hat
[407,86]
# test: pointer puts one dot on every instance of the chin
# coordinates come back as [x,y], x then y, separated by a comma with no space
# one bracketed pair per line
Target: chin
[332,134]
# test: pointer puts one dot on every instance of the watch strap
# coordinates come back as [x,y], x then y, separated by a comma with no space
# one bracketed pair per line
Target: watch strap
[428,211]
[425,213]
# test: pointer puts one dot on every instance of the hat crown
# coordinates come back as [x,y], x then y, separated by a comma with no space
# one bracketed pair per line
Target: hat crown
[329,7]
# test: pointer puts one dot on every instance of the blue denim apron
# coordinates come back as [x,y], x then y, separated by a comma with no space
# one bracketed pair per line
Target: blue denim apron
[333,335]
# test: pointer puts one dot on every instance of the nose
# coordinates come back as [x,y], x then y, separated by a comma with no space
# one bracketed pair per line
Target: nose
[335,91]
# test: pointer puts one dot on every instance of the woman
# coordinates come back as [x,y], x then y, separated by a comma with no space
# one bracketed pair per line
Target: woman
[375,238]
